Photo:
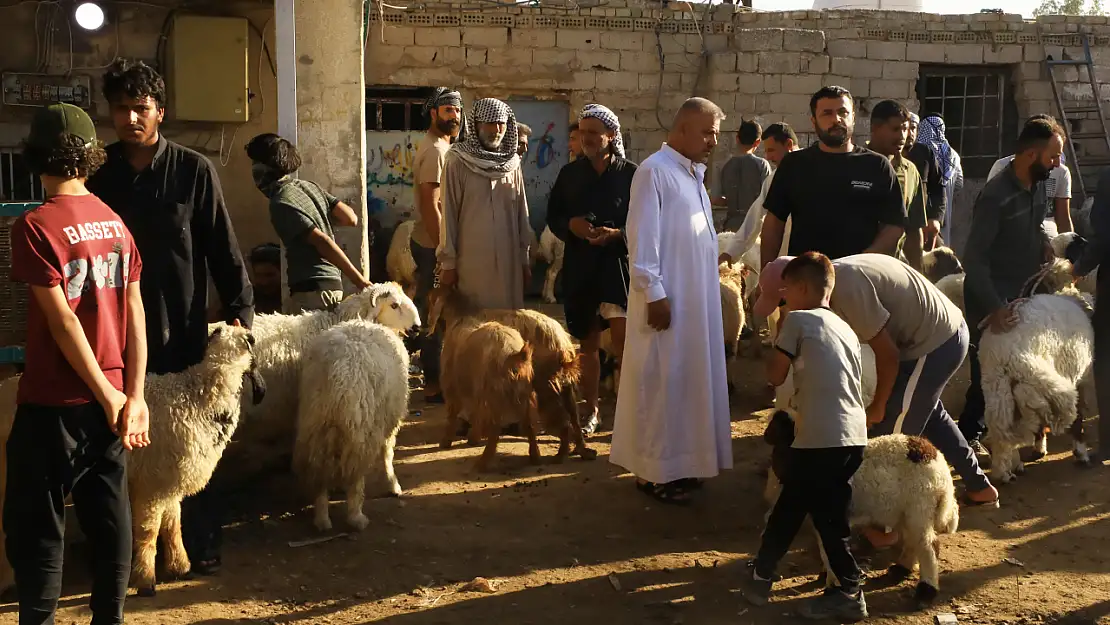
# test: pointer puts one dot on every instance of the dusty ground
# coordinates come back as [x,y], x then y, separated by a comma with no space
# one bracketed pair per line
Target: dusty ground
[554,538]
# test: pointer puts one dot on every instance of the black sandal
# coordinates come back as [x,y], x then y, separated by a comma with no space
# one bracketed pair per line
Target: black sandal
[670,493]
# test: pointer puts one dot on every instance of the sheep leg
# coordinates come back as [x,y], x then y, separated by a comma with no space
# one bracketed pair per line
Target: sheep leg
[549,281]
[925,554]
[320,517]
[530,432]
[452,425]
[1079,443]
[570,404]
[1040,444]
[145,525]
[176,558]
[356,495]
[387,464]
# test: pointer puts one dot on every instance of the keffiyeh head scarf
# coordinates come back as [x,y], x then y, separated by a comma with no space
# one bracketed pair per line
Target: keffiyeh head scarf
[609,118]
[492,164]
[442,97]
[914,118]
[931,133]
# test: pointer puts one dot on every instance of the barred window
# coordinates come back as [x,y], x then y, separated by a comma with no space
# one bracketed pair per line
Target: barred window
[17,183]
[977,104]
[396,108]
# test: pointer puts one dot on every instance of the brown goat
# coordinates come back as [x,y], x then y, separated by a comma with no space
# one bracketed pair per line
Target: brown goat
[488,373]
[555,363]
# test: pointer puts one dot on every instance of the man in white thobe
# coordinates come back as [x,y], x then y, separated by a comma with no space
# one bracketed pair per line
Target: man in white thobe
[672,421]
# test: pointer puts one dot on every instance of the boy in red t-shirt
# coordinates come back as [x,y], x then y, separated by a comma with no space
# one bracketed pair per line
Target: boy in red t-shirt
[80,400]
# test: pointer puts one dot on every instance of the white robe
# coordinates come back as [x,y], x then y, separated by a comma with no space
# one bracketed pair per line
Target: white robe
[672,418]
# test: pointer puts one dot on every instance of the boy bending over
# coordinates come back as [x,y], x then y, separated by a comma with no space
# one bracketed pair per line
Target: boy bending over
[830,436]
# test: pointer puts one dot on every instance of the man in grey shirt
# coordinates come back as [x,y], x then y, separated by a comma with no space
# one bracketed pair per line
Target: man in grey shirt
[301,213]
[1006,246]
[742,177]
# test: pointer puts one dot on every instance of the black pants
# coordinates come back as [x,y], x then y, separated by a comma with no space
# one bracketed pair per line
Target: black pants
[429,344]
[973,420]
[818,482]
[1102,359]
[53,452]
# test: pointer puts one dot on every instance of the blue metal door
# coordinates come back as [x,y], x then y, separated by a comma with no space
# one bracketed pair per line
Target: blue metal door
[547,151]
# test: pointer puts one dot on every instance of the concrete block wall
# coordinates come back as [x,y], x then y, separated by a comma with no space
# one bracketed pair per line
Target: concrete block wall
[643,61]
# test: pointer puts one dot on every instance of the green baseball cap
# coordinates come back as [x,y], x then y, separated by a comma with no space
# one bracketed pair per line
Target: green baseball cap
[56,121]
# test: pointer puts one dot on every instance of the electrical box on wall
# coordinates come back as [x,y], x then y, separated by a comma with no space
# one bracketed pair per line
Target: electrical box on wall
[210,78]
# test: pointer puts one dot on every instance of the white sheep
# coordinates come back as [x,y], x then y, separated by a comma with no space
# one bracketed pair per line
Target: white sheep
[953,288]
[281,342]
[732,305]
[354,395]
[1037,375]
[193,415]
[1070,245]
[550,249]
[399,262]
[903,483]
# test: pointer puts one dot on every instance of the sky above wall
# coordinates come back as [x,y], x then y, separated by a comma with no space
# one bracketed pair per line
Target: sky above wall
[1025,7]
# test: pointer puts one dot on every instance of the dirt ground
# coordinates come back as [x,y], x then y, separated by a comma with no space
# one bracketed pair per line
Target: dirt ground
[576,542]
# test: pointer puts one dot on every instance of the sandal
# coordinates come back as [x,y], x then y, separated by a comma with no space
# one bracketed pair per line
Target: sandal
[670,493]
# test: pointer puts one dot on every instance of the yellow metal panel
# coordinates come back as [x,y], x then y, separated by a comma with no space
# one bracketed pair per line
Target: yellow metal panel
[210,78]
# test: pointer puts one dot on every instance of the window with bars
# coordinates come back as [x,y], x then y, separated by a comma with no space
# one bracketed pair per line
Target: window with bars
[977,105]
[17,183]
[396,108]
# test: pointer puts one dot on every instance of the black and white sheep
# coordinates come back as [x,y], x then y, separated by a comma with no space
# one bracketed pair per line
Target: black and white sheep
[903,484]
[550,249]
[354,397]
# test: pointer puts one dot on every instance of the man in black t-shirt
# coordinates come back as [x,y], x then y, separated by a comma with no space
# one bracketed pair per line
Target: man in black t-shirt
[844,199]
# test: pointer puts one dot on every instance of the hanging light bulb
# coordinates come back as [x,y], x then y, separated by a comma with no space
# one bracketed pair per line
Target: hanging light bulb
[89,15]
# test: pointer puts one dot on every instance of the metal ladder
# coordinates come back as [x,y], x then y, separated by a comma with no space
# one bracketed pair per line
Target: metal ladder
[1092,163]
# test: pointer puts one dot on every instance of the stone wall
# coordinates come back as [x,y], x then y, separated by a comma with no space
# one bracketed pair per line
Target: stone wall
[643,62]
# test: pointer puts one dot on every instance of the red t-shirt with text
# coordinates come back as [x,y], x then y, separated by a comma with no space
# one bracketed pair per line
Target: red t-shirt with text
[78,243]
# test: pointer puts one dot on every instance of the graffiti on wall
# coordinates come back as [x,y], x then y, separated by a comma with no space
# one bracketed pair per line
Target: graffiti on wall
[389,159]
[547,151]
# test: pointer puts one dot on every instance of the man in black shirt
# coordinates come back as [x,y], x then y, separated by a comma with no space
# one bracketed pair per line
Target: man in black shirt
[928,166]
[844,199]
[588,208]
[170,199]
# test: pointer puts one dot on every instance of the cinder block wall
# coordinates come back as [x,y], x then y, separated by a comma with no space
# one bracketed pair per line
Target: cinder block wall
[643,62]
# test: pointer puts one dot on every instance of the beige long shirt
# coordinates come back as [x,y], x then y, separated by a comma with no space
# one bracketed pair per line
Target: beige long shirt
[485,234]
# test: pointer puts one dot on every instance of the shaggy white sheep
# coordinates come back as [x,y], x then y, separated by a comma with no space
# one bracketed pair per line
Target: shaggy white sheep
[193,415]
[1037,375]
[354,396]
[268,428]
[732,306]
[903,483]
[749,259]
[399,263]
[550,249]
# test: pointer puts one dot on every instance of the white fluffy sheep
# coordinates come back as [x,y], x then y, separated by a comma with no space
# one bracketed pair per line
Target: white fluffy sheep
[903,483]
[354,396]
[268,429]
[732,305]
[399,263]
[749,259]
[1037,375]
[193,415]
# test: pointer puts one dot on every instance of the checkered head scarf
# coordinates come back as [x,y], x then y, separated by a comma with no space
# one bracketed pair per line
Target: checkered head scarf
[442,97]
[470,149]
[931,133]
[609,118]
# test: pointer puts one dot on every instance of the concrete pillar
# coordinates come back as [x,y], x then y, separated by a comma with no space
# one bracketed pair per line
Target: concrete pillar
[331,107]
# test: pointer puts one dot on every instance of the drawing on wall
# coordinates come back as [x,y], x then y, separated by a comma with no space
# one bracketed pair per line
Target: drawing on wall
[547,153]
[389,157]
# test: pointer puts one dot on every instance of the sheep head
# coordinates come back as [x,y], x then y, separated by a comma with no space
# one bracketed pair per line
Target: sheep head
[233,346]
[384,303]
[1054,277]
[1068,245]
[939,263]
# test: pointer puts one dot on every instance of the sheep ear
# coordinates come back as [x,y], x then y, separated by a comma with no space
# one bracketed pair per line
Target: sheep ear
[215,334]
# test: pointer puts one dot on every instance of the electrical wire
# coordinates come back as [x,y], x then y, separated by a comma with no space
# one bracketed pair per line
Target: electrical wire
[258,72]
[231,145]
[115,54]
